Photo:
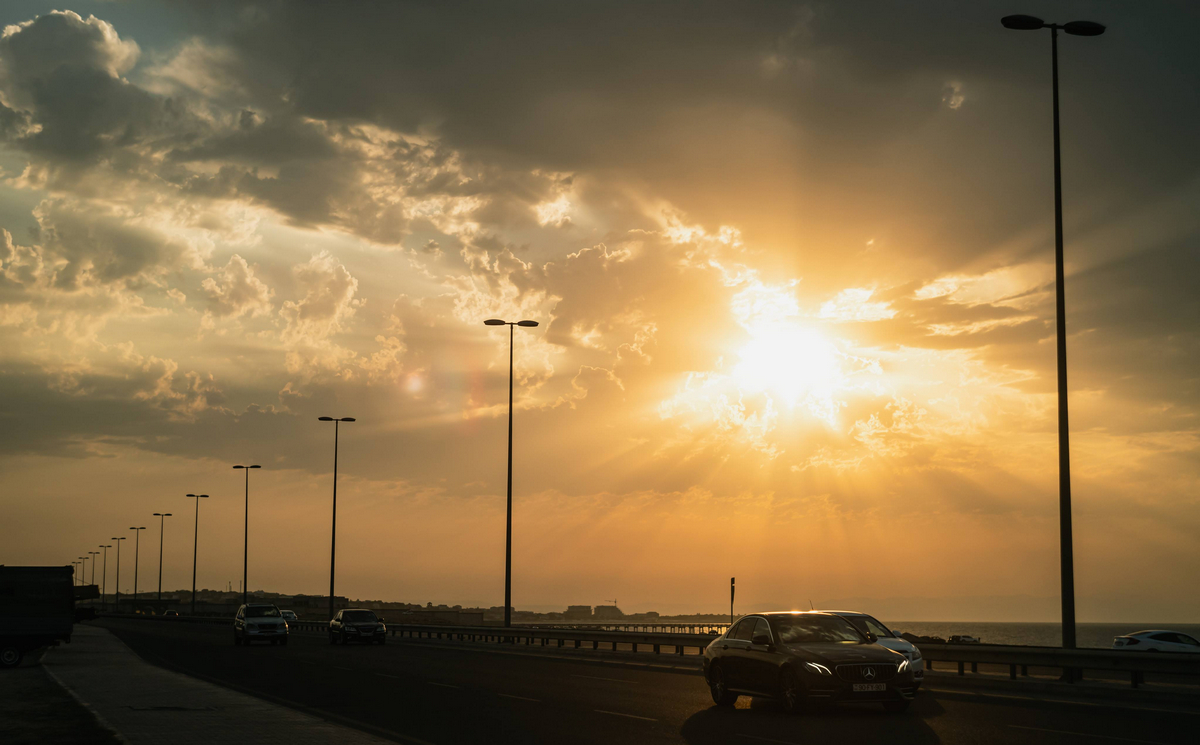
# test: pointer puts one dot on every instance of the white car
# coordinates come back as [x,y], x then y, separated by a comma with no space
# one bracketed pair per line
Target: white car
[259,621]
[1157,640]
[289,615]
[887,638]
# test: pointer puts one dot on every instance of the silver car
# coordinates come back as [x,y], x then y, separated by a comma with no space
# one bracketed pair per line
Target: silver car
[259,622]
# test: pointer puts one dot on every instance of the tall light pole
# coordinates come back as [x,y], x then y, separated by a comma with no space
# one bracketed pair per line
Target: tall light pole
[508,529]
[104,577]
[1067,561]
[75,572]
[246,531]
[162,516]
[333,540]
[137,547]
[83,570]
[93,554]
[195,541]
[117,598]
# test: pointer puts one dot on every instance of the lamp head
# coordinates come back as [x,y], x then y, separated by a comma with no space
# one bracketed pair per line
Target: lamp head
[1022,23]
[1084,28]
[527,324]
[494,322]
[325,419]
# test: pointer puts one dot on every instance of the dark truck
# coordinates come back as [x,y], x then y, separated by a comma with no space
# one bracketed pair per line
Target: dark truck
[37,609]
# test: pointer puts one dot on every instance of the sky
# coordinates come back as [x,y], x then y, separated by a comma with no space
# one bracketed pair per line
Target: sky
[792,264]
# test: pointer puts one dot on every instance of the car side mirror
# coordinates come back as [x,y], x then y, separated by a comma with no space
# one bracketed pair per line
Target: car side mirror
[872,638]
[898,634]
[383,620]
[761,640]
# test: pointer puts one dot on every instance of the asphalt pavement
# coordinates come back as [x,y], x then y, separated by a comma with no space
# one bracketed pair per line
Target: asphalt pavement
[418,692]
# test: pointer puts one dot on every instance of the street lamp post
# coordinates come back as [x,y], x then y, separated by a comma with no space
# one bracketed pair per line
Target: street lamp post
[333,540]
[93,554]
[195,540]
[162,516]
[508,528]
[137,546]
[104,577]
[1067,566]
[117,597]
[75,572]
[246,531]
[83,570]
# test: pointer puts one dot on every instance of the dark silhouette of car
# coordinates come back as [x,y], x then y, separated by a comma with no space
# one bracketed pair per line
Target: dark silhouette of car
[804,660]
[357,625]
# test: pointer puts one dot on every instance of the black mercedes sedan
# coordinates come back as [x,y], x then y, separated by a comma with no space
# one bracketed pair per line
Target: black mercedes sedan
[805,659]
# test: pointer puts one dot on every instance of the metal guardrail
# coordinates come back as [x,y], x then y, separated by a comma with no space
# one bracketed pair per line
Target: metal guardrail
[529,635]
[657,626]
[1071,661]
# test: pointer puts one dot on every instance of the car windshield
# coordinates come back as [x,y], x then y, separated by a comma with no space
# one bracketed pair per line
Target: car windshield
[802,629]
[262,611]
[359,616]
[866,623]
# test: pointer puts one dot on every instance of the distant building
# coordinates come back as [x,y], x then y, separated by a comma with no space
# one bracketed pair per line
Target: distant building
[607,613]
[578,613]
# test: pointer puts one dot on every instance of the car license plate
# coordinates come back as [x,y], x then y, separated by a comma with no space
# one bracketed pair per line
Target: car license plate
[867,687]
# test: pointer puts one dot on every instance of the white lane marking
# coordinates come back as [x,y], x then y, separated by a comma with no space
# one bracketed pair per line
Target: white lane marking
[597,677]
[767,739]
[619,714]
[442,685]
[1085,734]
[520,698]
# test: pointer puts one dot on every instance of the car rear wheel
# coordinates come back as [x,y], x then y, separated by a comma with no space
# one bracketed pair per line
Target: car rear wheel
[343,638]
[719,688]
[791,691]
[10,656]
[895,707]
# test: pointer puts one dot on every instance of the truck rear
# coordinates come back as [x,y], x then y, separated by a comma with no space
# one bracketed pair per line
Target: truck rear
[37,609]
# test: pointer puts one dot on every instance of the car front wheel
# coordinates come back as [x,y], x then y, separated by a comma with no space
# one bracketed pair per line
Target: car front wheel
[791,691]
[10,656]
[719,688]
[332,638]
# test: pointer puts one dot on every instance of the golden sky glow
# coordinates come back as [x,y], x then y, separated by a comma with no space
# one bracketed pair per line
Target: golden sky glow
[793,271]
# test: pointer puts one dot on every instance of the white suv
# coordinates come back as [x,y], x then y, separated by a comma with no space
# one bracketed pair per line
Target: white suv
[261,621]
[887,638]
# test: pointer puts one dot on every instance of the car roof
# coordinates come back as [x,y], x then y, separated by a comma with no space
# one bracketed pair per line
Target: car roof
[1153,631]
[795,613]
[349,609]
[260,605]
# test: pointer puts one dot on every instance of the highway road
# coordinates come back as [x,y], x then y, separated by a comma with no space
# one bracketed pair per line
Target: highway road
[423,692]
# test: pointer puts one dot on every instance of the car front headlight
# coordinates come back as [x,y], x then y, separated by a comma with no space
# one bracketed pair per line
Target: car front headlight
[817,668]
[902,666]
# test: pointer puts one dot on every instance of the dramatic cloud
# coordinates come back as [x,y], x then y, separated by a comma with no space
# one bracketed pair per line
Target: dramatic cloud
[792,265]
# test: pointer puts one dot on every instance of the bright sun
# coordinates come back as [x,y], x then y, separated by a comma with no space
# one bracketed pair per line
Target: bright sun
[791,363]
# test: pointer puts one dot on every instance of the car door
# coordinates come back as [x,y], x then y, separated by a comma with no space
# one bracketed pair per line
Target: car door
[733,652]
[1166,642]
[239,621]
[760,666]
